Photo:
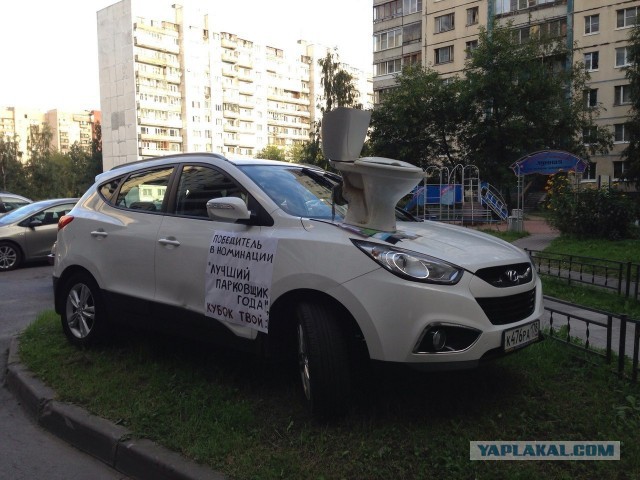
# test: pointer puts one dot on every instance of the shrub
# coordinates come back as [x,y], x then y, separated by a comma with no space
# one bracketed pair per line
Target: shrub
[602,213]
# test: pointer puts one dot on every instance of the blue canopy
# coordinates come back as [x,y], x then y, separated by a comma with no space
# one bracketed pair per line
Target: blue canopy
[549,162]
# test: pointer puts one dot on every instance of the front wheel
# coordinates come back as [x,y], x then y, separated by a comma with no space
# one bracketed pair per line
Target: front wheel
[323,360]
[84,316]
[10,256]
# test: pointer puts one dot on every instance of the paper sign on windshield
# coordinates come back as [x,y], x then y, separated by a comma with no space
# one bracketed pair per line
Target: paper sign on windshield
[238,278]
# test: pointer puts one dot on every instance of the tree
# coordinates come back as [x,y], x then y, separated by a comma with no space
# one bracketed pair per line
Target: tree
[338,91]
[337,84]
[11,168]
[631,153]
[419,120]
[271,152]
[526,96]
[41,172]
[513,99]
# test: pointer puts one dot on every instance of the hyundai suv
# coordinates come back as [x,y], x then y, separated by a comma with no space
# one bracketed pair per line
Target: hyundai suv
[256,254]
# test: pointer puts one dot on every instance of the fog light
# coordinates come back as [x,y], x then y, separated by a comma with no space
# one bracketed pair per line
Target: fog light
[438,339]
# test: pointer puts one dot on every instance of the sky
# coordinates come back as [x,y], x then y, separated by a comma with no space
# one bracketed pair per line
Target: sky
[49,57]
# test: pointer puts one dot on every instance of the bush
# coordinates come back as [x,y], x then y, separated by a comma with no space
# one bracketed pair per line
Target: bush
[603,213]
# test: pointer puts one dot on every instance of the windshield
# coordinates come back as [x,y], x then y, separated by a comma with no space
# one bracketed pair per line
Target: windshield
[299,191]
[20,213]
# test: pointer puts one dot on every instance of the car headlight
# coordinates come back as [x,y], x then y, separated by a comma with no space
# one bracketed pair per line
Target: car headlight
[411,265]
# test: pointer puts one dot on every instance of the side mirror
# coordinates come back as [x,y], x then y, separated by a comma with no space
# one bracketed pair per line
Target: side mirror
[227,209]
[34,223]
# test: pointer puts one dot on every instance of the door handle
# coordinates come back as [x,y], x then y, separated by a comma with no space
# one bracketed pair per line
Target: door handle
[169,241]
[99,233]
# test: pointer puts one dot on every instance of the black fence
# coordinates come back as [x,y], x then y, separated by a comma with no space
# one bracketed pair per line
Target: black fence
[603,334]
[620,277]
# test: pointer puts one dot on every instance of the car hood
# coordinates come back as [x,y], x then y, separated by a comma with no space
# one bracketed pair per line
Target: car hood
[465,247]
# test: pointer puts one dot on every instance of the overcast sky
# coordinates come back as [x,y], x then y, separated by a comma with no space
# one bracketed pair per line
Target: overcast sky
[49,47]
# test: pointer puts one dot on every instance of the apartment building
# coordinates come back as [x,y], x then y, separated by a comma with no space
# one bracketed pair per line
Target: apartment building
[596,31]
[170,82]
[66,128]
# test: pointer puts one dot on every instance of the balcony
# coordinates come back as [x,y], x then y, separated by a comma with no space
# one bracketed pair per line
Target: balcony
[229,43]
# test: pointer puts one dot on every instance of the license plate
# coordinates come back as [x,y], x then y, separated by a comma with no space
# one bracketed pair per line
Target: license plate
[520,336]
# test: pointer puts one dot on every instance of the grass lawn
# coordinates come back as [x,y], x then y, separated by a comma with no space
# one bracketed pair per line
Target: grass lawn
[619,250]
[244,417]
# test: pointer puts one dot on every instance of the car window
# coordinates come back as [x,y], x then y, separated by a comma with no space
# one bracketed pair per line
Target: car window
[144,191]
[50,216]
[302,192]
[198,184]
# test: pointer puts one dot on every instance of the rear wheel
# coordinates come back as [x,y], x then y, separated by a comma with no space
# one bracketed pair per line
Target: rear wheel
[10,256]
[84,316]
[323,360]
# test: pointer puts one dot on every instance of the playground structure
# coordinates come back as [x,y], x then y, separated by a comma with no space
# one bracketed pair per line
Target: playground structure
[457,195]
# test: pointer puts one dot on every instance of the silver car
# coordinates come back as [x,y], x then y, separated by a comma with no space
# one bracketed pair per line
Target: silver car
[28,233]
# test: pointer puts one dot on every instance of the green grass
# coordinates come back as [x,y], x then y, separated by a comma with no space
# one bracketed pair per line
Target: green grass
[618,250]
[244,416]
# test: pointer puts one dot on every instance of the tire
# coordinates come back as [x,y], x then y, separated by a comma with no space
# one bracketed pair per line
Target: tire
[323,361]
[10,256]
[84,316]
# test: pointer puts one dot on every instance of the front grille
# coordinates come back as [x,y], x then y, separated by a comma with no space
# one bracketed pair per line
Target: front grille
[507,275]
[510,309]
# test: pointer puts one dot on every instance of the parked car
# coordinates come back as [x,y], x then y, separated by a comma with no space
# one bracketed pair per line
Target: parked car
[28,233]
[256,254]
[11,201]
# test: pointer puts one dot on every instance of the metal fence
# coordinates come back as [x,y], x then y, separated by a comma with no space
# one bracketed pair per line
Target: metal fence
[603,334]
[621,277]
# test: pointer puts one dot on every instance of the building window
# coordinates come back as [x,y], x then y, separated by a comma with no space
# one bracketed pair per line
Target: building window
[470,47]
[619,167]
[412,59]
[388,67]
[472,16]
[412,33]
[589,135]
[443,55]
[387,10]
[445,23]
[622,95]
[590,172]
[506,6]
[591,60]
[385,40]
[622,57]
[626,17]
[591,97]
[412,6]
[620,133]
[591,24]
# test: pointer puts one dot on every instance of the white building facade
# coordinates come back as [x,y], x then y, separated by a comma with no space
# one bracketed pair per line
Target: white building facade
[170,84]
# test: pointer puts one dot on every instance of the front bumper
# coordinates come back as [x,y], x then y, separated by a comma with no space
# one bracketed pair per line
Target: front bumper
[394,314]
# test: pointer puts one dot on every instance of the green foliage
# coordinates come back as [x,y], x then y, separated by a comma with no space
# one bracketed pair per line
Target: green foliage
[11,167]
[419,121]
[47,173]
[512,99]
[337,84]
[601,213]
[271,152]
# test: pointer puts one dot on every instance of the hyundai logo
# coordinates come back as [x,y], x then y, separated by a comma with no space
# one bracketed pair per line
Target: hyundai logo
[514,277]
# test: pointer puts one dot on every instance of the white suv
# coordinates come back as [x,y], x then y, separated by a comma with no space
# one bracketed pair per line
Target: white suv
[256,253]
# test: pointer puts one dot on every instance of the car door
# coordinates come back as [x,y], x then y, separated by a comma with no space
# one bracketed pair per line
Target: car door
[123,235]
[41,230]
[185,236]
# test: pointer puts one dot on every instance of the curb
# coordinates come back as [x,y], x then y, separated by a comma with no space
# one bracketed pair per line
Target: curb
[112,444]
